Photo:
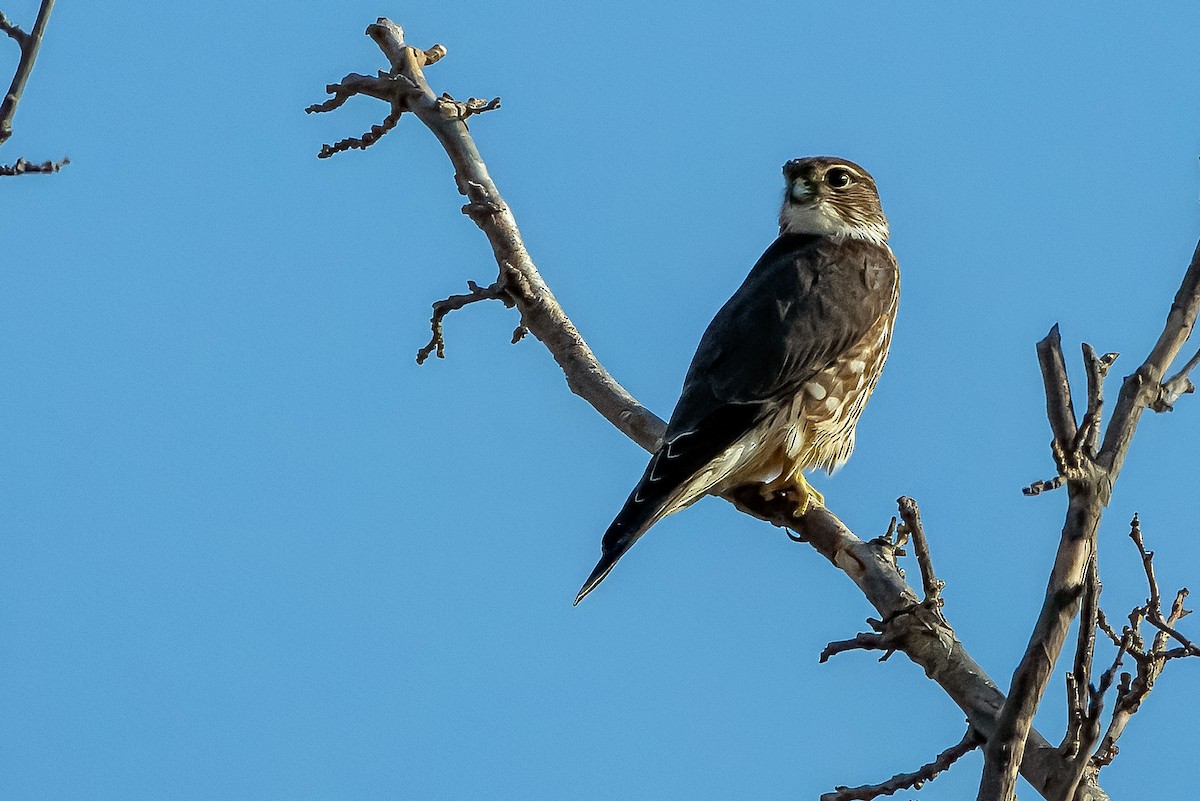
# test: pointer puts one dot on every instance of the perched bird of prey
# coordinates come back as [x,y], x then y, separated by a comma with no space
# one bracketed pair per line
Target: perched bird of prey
[785,368]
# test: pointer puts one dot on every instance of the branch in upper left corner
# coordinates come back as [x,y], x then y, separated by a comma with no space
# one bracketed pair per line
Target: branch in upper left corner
[29,44]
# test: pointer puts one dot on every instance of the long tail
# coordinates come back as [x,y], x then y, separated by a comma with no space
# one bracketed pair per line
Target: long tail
[643,509]
[669,483]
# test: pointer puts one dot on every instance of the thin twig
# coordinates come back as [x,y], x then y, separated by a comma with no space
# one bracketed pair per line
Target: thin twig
[21,167]
[471,106]
[915,780]
[1038,487]
[1103,625]
[862,642]
[1135,534]
[13,30]
[29,43]
[1150,658]
[927,612]
[372,136]
[1088,436]
[933,586]
[1176,386]
[441,308]
[1153,608]
[1080,676]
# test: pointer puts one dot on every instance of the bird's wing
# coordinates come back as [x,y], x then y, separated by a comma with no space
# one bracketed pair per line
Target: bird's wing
[806,301]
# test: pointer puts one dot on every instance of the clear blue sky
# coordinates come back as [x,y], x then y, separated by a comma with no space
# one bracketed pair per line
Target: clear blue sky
[251,550]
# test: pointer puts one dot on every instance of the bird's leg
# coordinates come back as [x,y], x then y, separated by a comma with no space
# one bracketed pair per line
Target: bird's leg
[808,496]
[795,487]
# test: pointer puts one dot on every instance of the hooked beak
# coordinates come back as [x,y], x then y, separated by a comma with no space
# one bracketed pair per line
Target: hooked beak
[801,192]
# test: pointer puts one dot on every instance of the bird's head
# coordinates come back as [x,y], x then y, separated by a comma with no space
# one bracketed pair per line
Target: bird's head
[833,197]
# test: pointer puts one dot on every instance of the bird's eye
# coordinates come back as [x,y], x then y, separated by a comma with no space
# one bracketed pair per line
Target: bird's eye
[838,178]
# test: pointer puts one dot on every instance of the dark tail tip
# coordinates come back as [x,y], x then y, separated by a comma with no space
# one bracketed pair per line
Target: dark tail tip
[602,569]
[631,523]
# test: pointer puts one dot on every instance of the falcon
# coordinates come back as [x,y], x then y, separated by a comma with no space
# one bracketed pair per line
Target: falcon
[785,368]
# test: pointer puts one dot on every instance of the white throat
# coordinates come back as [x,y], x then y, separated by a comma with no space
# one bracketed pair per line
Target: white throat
[818,218]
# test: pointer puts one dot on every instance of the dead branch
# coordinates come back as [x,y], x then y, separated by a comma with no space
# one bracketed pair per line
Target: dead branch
[13,30]
[1142,389]
[1003,753]
[441,308]
[1084,701]
[1150,659]
[1038,487]
[861,642]
[1080,676]
[405,86]
[927,614]
[1176,386]
[1059,408]
[906,781]
[932,585]
[29,43]
[1088,436]
[21,166]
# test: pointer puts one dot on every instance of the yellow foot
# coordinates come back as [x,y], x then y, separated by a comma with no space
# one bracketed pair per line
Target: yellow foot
[796,489]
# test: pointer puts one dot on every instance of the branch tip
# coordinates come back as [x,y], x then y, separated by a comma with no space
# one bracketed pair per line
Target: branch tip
[29,44]
[23,167]
[906,781]
[476,293]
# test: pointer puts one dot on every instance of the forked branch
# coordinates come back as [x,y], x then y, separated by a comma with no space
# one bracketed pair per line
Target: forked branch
[441,308]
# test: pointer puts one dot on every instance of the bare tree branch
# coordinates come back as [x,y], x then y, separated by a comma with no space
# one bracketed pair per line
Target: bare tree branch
[13,30]
[1089,478]
[1088,437]
[1103,625]
[21,167]
[1003,753]
[1153,607]
[405,85]
[913,527]
[1176,386]
[1143,389]
[915,780]
[930,609]
[864,641]
[1060,411]
[29,44]
[1084,701]
[1150,659]
[1038,487]
[1081,675]
[453,303]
